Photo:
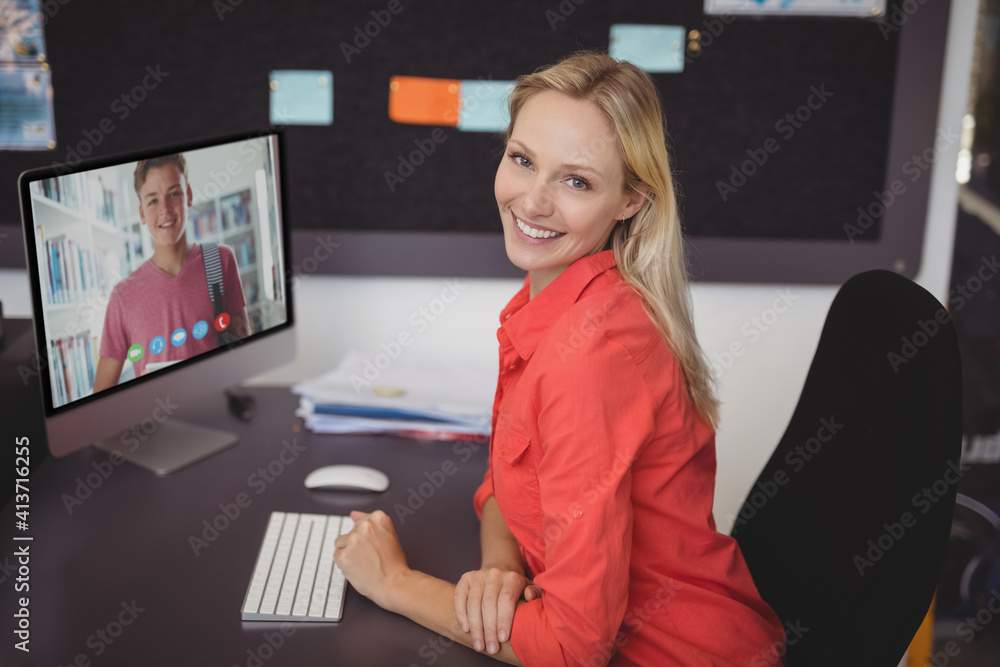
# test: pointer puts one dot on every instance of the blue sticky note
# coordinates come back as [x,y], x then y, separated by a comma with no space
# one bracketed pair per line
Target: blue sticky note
[482,105]
[654,48]
[301,97]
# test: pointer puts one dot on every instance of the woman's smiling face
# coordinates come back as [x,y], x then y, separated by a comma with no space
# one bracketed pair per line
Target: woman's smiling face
[560,186]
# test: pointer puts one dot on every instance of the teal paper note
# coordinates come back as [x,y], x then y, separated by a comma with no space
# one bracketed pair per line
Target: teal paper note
[654,48]
[301,97]
[482,105]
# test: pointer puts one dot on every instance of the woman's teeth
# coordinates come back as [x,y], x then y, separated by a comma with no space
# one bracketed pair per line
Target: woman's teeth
[535,233]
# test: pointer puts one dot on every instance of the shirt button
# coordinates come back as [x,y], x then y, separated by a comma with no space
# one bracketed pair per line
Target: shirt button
[503,450]
[507,316]
[577,513]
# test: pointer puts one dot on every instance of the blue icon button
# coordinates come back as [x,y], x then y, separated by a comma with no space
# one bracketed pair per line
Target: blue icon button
[199,329]
[178,337]
[157,345]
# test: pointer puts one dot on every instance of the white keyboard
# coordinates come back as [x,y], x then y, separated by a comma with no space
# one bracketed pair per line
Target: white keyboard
[295,578]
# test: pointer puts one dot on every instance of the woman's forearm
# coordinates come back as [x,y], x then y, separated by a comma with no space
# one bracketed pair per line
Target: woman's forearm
[431,603]
[499,546]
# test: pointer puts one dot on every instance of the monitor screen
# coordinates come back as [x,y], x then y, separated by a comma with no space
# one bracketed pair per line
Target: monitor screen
[158,279]
[146,263]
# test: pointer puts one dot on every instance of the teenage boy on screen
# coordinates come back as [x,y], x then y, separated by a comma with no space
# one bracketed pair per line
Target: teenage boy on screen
[164,306]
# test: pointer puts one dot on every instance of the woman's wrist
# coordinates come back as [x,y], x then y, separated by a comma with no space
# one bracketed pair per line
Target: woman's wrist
[397,590]
[504,564]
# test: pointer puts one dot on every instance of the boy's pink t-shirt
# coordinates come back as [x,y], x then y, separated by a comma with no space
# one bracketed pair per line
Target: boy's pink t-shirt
[150,302]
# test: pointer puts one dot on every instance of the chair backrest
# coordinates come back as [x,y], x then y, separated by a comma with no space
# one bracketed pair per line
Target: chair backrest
[846,528]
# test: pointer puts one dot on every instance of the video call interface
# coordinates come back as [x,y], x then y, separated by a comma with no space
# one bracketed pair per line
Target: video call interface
[145,264]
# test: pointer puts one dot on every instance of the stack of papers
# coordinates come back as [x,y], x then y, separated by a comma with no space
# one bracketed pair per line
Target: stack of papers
[416,399]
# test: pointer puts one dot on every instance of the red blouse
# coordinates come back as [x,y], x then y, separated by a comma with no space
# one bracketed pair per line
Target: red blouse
[605,475]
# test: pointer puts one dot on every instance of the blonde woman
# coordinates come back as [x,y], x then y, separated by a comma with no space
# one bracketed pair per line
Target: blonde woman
[598,542]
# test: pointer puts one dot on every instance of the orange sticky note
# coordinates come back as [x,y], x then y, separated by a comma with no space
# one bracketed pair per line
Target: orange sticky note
[420,100]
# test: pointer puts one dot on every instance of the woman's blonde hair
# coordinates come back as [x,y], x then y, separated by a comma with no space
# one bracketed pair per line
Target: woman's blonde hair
[649,247]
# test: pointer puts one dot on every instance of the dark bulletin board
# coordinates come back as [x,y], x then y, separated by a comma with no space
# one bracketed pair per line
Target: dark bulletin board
[731,98]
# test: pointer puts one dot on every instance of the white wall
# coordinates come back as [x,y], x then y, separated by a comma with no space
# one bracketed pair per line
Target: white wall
[759,391]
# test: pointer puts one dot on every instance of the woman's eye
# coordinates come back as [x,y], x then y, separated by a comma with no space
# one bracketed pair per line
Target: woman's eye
[578,183]
[520,160]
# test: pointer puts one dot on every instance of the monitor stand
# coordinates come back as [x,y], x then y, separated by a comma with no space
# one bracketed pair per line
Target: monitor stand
[173,445]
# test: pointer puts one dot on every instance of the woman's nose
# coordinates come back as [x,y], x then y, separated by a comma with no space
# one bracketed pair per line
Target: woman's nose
[537,201]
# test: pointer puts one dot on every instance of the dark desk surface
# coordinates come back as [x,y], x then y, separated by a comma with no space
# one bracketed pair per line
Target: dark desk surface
[129,543]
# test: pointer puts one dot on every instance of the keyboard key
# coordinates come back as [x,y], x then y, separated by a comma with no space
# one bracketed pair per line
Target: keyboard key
[294,577]
[263,566]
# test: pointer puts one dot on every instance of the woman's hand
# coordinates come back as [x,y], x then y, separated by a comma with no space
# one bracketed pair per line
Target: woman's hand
[370,556]
[485,601]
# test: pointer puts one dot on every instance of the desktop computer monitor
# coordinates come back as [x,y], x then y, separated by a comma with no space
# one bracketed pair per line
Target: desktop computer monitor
[158,279]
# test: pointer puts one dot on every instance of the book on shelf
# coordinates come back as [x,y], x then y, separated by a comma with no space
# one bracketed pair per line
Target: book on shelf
[245,250]
[276,284]
[235,210]
[251,290]
[74,365]
[204,222]
[84,192]
[74,271]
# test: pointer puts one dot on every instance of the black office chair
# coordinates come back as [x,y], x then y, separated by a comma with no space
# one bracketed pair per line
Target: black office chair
[846,528]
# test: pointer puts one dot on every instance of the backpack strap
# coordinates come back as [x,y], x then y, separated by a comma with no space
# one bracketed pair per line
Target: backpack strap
[213,276]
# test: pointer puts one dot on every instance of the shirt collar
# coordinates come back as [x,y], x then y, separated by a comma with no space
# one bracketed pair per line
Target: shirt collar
[526,320]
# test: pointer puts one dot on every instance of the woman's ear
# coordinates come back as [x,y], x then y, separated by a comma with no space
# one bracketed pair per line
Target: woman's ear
[635,202]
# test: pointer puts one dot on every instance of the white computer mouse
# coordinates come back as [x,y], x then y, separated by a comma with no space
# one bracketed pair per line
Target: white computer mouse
[347,477]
